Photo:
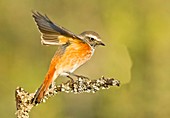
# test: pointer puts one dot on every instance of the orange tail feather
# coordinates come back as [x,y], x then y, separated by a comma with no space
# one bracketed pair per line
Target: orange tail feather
[44,87]
[41,92]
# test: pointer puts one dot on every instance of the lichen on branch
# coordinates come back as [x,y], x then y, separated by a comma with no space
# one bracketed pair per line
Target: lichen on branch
[81,85]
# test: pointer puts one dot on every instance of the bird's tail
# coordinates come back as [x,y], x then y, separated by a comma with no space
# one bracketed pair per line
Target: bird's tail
[43,88]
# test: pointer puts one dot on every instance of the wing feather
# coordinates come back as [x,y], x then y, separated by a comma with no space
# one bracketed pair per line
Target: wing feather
[52,34]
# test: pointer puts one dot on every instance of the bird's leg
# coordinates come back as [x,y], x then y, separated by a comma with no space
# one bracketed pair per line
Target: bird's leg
[72,80]
[78,76]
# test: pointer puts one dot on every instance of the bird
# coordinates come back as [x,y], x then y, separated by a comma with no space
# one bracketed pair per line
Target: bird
[73,50]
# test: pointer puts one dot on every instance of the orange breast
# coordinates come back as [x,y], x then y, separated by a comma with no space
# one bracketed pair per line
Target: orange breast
[74,56]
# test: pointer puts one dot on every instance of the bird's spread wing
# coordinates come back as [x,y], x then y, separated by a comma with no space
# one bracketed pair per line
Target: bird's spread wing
[52,34]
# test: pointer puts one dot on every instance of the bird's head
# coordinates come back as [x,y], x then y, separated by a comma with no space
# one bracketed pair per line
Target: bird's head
[92,38]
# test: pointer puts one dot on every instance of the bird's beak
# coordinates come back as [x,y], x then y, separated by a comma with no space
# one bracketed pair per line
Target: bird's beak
[100,43]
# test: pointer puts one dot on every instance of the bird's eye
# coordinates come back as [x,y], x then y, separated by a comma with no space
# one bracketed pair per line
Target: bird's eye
[92,38]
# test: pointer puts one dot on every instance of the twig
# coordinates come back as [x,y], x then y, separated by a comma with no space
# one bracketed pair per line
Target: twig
[81,85]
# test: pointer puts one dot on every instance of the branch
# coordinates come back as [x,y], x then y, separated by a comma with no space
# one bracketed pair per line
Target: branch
[81,85]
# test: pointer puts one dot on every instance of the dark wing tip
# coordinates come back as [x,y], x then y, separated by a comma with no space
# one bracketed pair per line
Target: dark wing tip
[37,16]
[43,22]
[46,25]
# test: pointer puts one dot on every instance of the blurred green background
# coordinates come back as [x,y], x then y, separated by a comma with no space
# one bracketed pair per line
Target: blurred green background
[135,31]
